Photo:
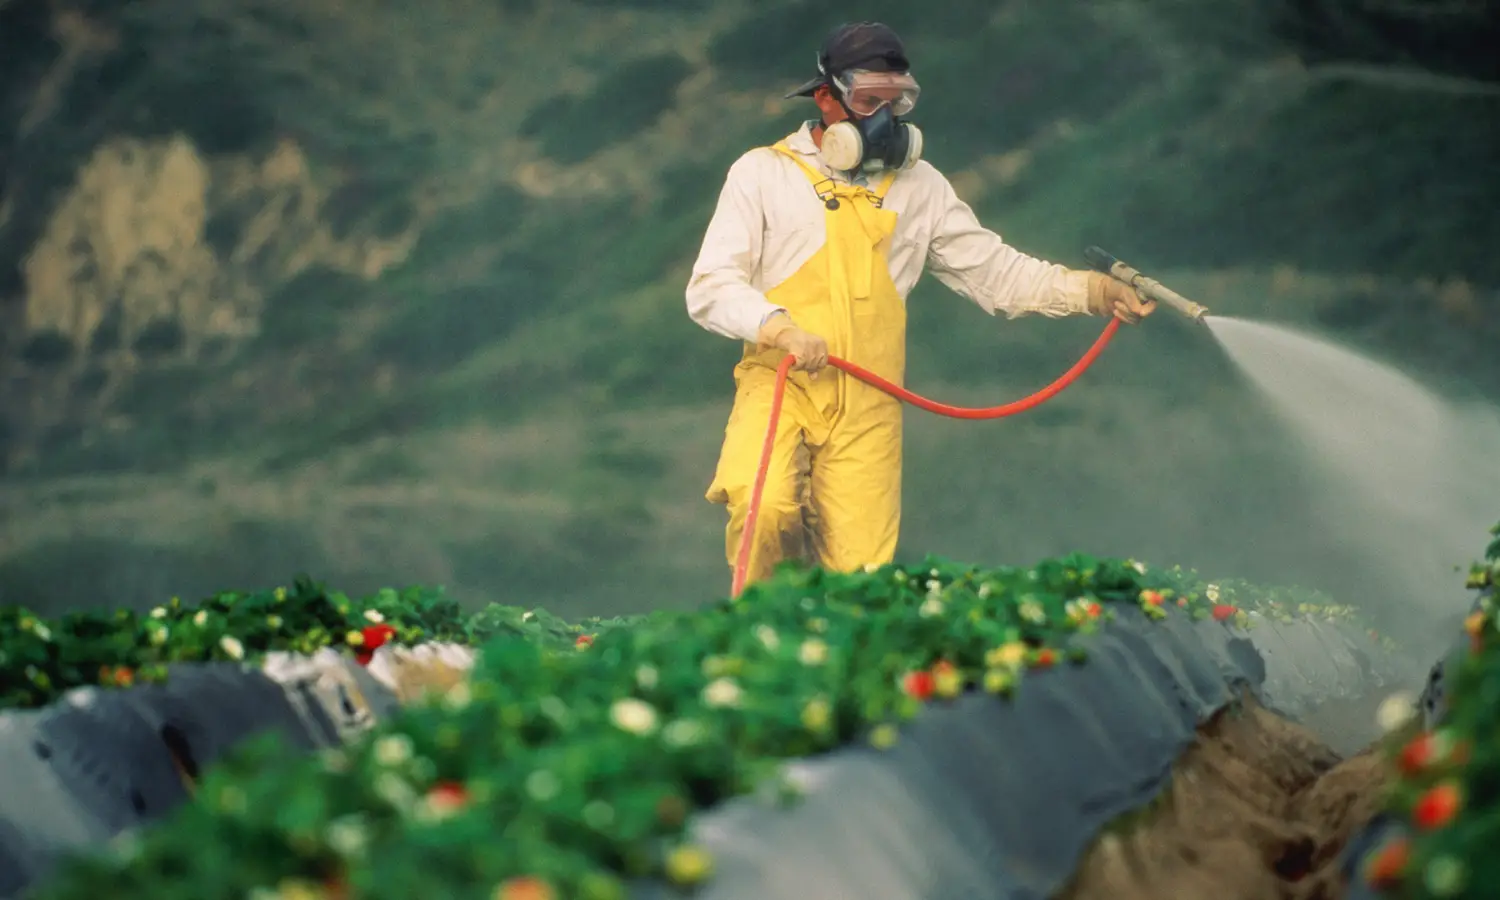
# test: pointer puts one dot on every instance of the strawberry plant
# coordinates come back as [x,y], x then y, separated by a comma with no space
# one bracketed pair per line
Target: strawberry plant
[1446,791]
[41,658]
[575,755]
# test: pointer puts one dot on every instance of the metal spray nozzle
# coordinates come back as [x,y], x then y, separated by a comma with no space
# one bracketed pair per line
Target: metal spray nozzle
[1149,288]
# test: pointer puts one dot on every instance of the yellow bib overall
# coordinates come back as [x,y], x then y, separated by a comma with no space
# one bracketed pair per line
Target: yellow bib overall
[834,482]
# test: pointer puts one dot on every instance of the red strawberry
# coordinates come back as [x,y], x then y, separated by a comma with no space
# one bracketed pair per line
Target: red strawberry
[525,887]
[946,679]
[1416,754]
[1386,866]
[1437,806]
[447,795]
[1224,611]
[377,635]
[919,684]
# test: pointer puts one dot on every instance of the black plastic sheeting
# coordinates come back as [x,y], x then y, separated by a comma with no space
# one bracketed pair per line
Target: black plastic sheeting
[98,763]
[1001,799]
[1312,662]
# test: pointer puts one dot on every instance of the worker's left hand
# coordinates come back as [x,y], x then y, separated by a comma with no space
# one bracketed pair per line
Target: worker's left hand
[1111,296]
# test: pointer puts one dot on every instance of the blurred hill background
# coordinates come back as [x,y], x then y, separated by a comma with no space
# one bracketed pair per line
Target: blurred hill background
[392,293]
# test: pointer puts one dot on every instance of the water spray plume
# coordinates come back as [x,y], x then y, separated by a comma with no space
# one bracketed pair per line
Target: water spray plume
[1410,476]
[1149,288]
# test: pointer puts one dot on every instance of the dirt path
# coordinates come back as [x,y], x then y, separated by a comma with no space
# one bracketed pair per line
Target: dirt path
[1259,809]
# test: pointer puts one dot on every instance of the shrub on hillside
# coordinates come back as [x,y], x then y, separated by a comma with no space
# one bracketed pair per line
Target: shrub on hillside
[624,102]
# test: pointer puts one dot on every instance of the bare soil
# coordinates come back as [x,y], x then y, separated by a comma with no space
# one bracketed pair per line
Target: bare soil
[1258,809]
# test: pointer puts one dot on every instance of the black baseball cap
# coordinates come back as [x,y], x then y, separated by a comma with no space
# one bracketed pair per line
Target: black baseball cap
[861,45]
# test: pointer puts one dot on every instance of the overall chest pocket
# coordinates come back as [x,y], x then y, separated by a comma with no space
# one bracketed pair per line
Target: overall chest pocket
[798,213]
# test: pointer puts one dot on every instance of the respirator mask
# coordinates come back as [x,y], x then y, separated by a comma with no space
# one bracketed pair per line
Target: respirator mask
[873,138]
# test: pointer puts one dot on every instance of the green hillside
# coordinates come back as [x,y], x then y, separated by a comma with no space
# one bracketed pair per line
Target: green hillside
[386,294]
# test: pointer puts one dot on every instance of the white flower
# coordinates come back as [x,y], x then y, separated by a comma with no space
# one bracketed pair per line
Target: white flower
[768,637]
[646,677]
[458,696]
[159,635]
[813,652]
[159,613]
[542,785]
[201,618]
[41,631]
[984,591]
[934,587]
[598,815]
[528,616]
[1032,611]
[374,615]
[393,749]
[232,646]
[683,732]
[633,715]
[722,692]
[334,759]
[393,790]
[1212,593]
[930,607]
[1138,566]
[1396,711]
[125,846]
[347,835]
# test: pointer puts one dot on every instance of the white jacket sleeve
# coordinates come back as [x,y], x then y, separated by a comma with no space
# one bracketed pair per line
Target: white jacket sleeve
[975,262]
[720,296]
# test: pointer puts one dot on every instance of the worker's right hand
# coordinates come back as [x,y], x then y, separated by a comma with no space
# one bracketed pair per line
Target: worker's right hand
[1108,296]
[809,350]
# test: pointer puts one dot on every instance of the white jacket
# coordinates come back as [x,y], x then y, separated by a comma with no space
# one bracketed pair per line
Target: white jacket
[769,222]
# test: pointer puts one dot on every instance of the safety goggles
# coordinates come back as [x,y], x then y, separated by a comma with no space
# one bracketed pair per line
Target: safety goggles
[865,91]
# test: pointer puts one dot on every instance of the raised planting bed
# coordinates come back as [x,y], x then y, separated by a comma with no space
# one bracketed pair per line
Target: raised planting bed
[948,731]
[113,717]
[1437,833]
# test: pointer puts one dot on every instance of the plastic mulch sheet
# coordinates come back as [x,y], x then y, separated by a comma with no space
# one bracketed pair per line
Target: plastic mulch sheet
[1001,799]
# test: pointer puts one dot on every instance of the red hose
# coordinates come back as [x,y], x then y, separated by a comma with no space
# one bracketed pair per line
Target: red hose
[742,560]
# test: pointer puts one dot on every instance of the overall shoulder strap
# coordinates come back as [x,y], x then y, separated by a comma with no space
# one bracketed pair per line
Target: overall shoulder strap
[812,174]
[826,186]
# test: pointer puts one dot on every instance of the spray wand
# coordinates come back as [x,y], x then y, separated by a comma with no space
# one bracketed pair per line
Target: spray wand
[1149,288]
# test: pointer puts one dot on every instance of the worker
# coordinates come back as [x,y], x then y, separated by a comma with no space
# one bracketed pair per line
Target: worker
[812,249]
